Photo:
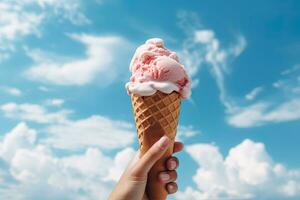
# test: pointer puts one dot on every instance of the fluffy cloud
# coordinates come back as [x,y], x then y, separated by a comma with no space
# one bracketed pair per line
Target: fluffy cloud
[102,61]
[33,112]
[33,170]
[120,163]
[19,137]
[16,23]
[38,172]
[20,18]
[97,131]
[248,171]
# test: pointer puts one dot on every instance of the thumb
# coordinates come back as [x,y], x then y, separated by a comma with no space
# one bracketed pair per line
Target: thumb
[151,157]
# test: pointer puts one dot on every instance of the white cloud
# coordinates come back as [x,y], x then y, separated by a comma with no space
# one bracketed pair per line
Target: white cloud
[33,169]
[21,18]
[55,102]
[77,177]
[43,88]
[12,91]
[95,163]
[97,131]
[289,82]
[15,23]
[102,62]
[282,105]
[67,9]
[218,60]
[184,132]
[120,163]
[263,113]
[248,171]
[253,94]
[33,112]
[19,137]
[204,36]
[203,48]
[249,116]
[32,165]
[293,69]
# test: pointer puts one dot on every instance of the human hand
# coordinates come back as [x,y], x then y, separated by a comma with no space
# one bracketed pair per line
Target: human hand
[132,184]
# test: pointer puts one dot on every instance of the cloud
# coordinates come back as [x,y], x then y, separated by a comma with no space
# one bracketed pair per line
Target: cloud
[68,9]
[293,69]
[72,177]
[33,112]
[289,82]
[204,36]
[184,132]
[263,113]
[16,23]
[102,62]
[120,163]
[253,94]
[247,172]
[282,105]
[218,58]
[21,18]
[33,170]
[202,48]
[55,102]
[12,91]
[96,131]
[19,137]
[44,89]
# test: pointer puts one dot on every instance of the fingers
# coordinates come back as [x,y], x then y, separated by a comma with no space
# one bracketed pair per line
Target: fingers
[172,187]
[172,163]
[167,176]
[146,162]
[178,146]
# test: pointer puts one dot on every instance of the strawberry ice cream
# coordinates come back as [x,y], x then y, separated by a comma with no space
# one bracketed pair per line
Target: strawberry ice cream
[155,68]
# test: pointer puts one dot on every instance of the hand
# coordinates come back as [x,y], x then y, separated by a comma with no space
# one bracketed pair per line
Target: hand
[133,182]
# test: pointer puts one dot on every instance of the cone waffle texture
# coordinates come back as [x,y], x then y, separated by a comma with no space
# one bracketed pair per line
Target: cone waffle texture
[156,116]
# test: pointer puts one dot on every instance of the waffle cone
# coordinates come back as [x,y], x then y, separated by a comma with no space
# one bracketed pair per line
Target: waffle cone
[156,116]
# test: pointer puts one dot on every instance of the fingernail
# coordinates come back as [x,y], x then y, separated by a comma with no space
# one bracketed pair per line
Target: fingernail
[171,187]
[173,164]
[163,142]
[164,177]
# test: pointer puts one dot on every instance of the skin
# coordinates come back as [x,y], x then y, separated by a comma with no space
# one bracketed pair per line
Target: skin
[132,184]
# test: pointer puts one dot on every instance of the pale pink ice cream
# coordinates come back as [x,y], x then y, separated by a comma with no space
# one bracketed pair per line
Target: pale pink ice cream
[155,68]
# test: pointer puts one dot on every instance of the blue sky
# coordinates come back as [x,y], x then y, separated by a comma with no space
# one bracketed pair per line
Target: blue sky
[67,124]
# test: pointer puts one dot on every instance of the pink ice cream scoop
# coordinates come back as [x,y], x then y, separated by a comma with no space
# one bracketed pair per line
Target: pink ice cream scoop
[156,68]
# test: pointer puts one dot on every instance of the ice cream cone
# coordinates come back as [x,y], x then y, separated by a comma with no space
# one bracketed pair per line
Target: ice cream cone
[155,116]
